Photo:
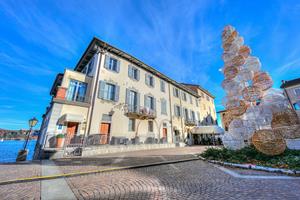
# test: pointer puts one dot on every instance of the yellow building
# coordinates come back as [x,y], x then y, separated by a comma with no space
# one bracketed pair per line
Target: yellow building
[113,98]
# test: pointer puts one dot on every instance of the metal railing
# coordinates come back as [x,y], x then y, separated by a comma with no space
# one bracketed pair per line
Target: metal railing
[190,122]
[140,111]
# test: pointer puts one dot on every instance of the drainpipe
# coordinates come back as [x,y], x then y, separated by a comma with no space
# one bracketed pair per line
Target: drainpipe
[171,114]
[181,115]
[100,52]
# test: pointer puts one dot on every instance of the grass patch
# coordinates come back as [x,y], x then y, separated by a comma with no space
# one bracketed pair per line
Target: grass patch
[290,159]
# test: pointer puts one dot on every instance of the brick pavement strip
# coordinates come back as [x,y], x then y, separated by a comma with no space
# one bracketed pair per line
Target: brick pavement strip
[20,190]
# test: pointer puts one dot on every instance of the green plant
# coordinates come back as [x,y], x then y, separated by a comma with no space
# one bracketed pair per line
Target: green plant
[60,136]
[289,159]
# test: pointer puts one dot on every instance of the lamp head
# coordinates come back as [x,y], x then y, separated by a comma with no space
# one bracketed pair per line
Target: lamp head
[32,122]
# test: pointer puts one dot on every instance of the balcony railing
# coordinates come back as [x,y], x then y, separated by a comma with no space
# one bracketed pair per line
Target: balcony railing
[140,112]
[190,122]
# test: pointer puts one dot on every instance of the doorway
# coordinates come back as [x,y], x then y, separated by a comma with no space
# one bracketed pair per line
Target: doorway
[104,133]
[165,133]
[72,128]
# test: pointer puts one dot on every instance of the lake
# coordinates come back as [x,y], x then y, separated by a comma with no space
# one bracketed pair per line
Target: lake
[9,149]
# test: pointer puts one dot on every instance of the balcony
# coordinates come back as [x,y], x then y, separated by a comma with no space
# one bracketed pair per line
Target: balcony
[190,122]
[71,88]
[140,112]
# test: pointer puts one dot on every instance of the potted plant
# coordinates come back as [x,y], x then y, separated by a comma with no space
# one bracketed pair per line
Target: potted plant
[60,138]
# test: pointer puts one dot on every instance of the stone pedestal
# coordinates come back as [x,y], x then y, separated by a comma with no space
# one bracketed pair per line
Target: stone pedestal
[293,143]
[22,155]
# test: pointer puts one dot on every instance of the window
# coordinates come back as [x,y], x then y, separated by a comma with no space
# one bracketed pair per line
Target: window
[184,96]
[197,103]
[186,114]
[202,94]
[191,99]
[133,72]
[132,100]
[163,106]
[149,80]
[89,68]
[149,102]
[207,97]
[193,117]
[177,111]
[108,91]
[131,125]
[297,92]
[175,92]
[296,106]
[112,63]
[150,126]
[162,86]
[76,91]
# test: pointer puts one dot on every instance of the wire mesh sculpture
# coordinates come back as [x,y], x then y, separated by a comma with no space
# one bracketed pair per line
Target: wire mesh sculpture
[256,112]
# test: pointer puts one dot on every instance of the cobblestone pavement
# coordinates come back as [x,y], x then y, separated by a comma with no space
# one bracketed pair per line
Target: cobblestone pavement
[189,180]
[68,165]
[29,190]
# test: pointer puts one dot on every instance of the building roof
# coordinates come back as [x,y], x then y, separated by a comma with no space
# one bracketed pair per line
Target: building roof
[290,83]
[97,44]
[201,88]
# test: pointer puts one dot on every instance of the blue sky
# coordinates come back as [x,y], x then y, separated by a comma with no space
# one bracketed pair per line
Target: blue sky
[38,39]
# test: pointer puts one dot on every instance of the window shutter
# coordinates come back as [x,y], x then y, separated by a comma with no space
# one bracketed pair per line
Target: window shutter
[154,104]
[117,88]
[153,79]
[101,89]
[138,74]
[175,111]
[146,79]
[127,96]
[138,100]
[118,66]
[107,59]
[145,100]
[129,71]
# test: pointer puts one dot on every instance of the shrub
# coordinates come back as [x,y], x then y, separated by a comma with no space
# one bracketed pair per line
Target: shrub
[289,159]
[60,136]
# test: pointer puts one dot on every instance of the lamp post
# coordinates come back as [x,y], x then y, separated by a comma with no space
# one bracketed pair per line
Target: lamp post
[22,155]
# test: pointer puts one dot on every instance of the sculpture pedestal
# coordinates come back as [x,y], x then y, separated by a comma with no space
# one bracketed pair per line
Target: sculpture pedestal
[293,143]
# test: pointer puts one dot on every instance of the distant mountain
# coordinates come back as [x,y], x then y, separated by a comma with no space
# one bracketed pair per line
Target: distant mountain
[16,134]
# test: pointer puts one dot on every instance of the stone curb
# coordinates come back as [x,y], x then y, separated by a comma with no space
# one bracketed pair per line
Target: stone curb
[255,167]
[40,178]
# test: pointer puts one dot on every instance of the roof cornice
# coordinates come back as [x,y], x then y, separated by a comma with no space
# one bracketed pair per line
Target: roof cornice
[96,42]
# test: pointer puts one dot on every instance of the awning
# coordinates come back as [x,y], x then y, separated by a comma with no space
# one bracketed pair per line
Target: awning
[70,118]
[207,130]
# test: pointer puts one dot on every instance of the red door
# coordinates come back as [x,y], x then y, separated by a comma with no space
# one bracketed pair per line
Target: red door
[104,133]
[165,133]
[71,130]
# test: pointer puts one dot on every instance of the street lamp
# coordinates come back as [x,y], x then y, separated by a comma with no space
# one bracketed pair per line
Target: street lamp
[22,155]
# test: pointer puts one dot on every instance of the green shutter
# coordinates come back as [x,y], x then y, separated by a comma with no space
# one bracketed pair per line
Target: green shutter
[107,60]
[118,66]
[101,89]
[117,91]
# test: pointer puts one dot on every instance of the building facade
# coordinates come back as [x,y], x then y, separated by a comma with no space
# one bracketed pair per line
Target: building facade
[113,98]
[292,91]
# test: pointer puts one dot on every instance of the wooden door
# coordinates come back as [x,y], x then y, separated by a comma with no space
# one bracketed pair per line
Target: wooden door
[104,133]
[165,133]
[71,130]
